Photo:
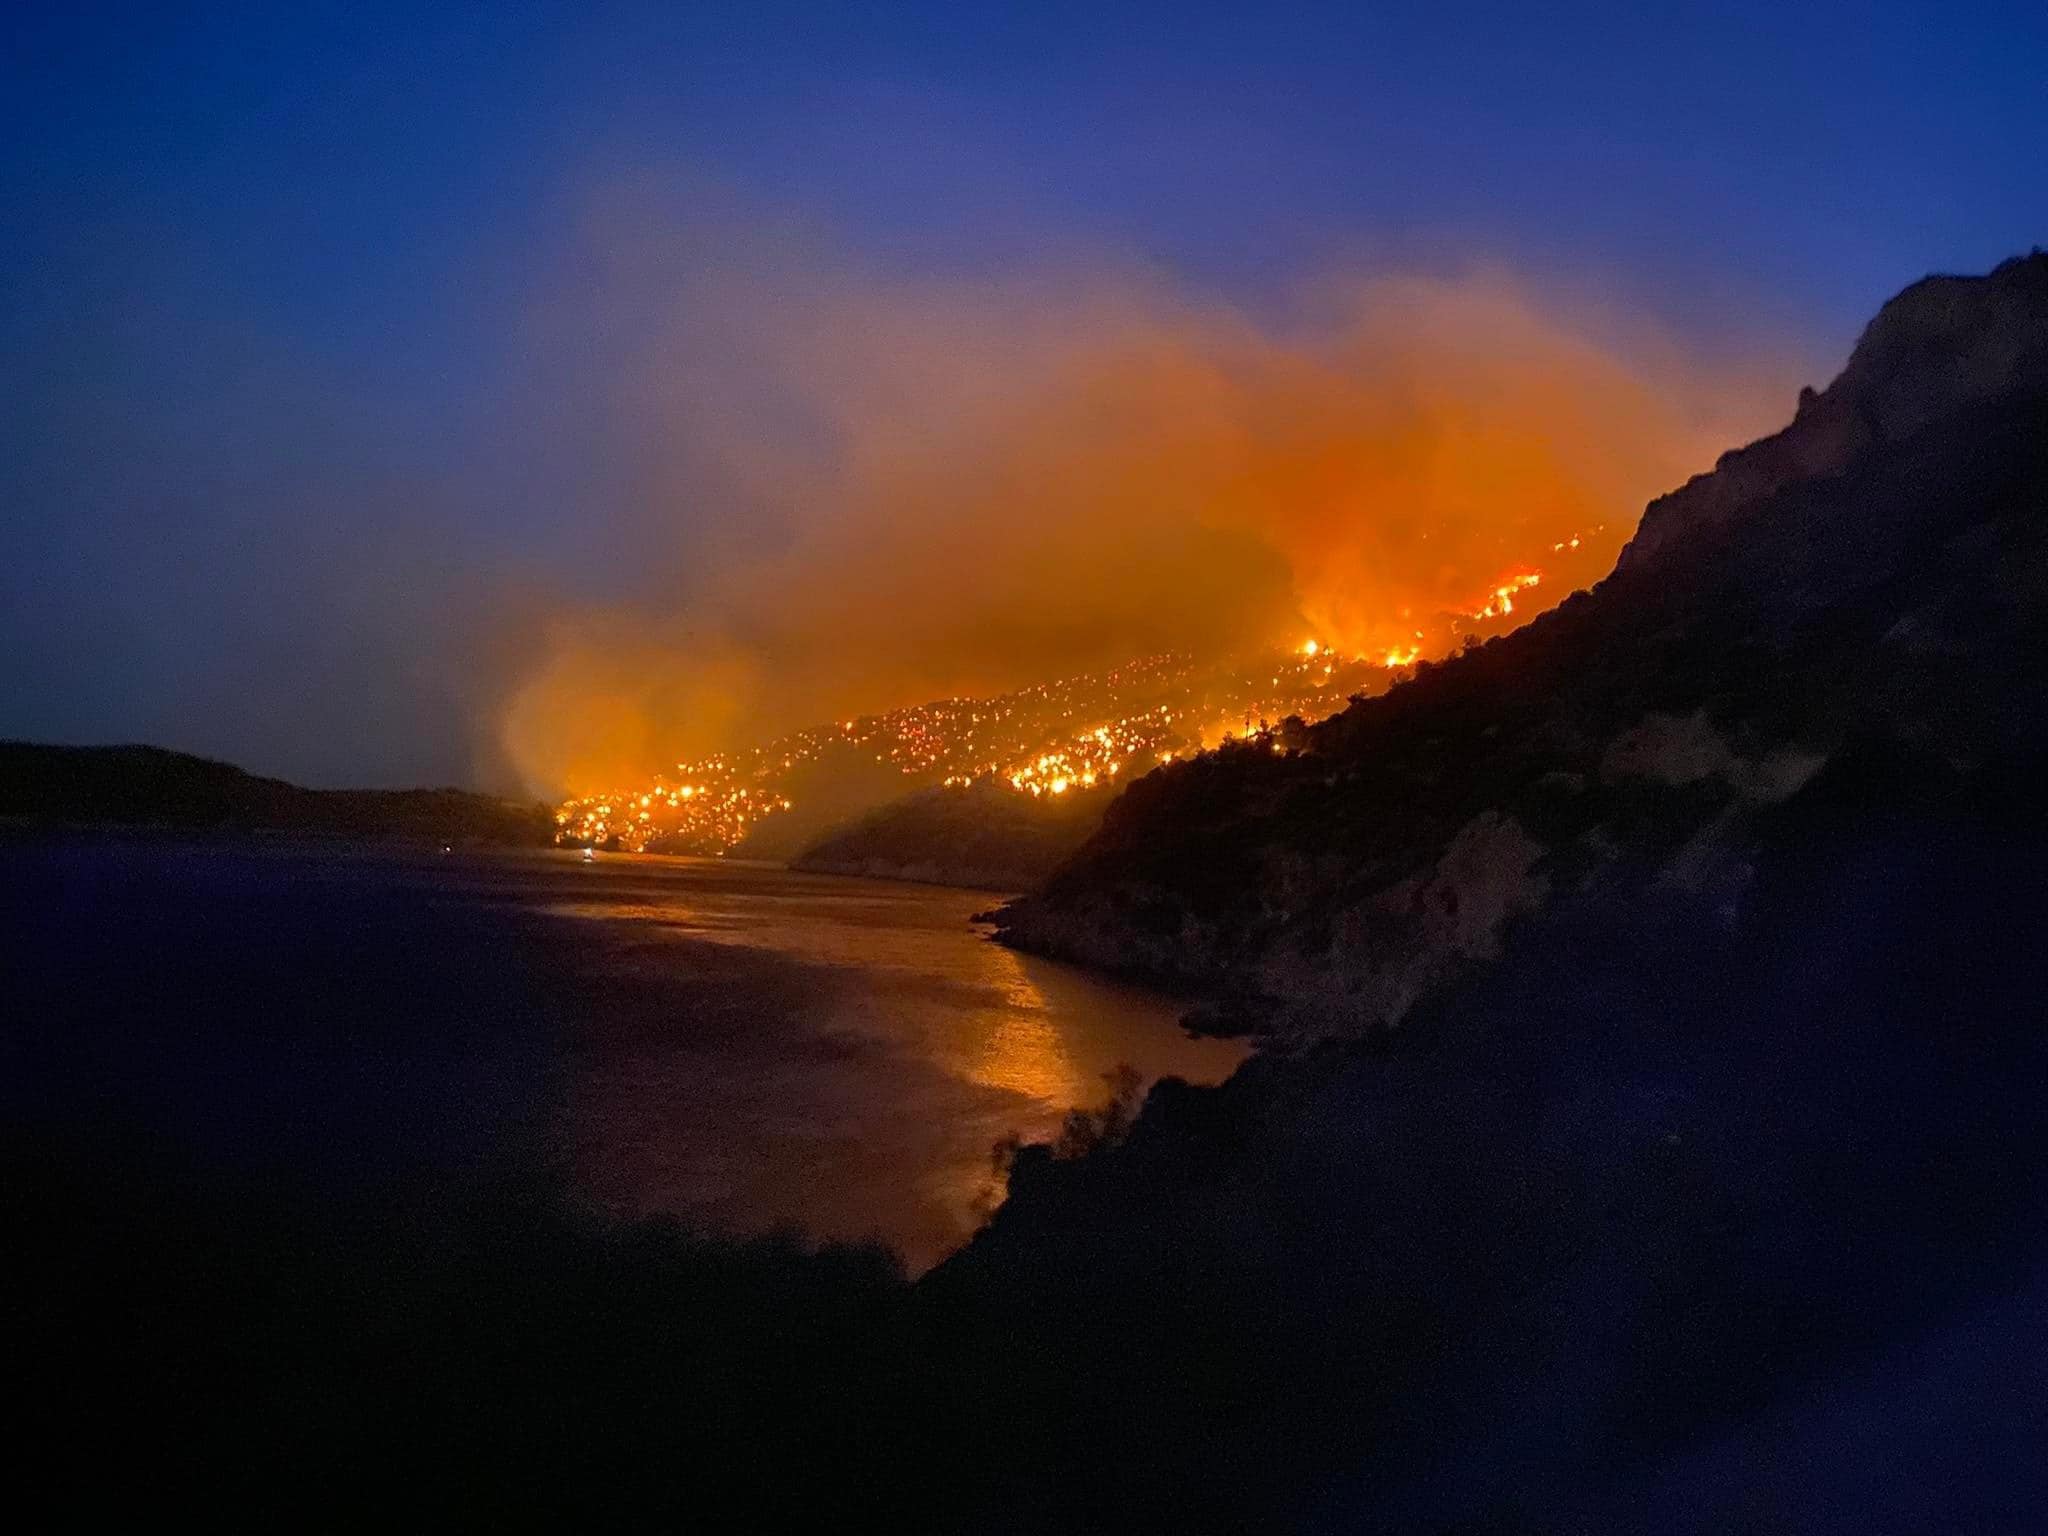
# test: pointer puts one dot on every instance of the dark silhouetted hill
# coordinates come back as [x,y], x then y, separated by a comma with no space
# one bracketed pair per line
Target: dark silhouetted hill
[148,786]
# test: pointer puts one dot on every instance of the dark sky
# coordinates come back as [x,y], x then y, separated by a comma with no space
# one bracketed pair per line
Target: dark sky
[313,315]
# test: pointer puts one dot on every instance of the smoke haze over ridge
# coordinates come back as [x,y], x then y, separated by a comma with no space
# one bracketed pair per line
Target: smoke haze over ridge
[885,490]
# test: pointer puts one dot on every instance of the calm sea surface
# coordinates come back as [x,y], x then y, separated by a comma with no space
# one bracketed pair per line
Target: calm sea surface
[741,1046]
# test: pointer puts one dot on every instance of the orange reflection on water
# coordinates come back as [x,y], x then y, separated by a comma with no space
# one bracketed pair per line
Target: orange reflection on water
[757,1047]
[1022,1049]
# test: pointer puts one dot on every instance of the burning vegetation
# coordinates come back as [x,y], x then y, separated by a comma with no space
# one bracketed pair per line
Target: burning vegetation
[853,492]
[1077,733]
[1073,734]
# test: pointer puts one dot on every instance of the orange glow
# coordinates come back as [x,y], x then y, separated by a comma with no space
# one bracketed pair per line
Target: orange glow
[978,485]
[1051,739]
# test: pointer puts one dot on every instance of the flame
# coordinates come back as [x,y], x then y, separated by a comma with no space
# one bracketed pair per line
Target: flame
[1501,601]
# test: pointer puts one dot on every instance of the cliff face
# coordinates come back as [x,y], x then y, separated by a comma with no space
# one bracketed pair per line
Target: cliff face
[1780,634]
[1943,345]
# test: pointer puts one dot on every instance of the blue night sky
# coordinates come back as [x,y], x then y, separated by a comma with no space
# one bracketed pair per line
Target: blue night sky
[305,404]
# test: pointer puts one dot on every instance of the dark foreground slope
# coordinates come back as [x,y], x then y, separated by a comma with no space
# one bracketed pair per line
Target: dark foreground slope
[1869,582]
[148,786]
[1655,1227]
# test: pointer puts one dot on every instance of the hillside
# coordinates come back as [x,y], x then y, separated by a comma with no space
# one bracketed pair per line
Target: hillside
[148,786]
[1791,625]
[773,800]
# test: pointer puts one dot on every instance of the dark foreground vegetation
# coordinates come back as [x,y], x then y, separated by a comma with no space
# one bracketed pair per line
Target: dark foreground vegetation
[1700,1187]
[148,786]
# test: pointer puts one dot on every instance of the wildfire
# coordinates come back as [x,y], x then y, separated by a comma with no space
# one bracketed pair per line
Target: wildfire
[1056,739]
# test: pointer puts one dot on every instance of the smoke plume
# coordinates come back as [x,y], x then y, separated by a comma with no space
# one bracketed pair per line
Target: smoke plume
[856,491]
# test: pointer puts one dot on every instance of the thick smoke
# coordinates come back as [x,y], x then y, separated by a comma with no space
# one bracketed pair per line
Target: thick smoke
[882,491]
